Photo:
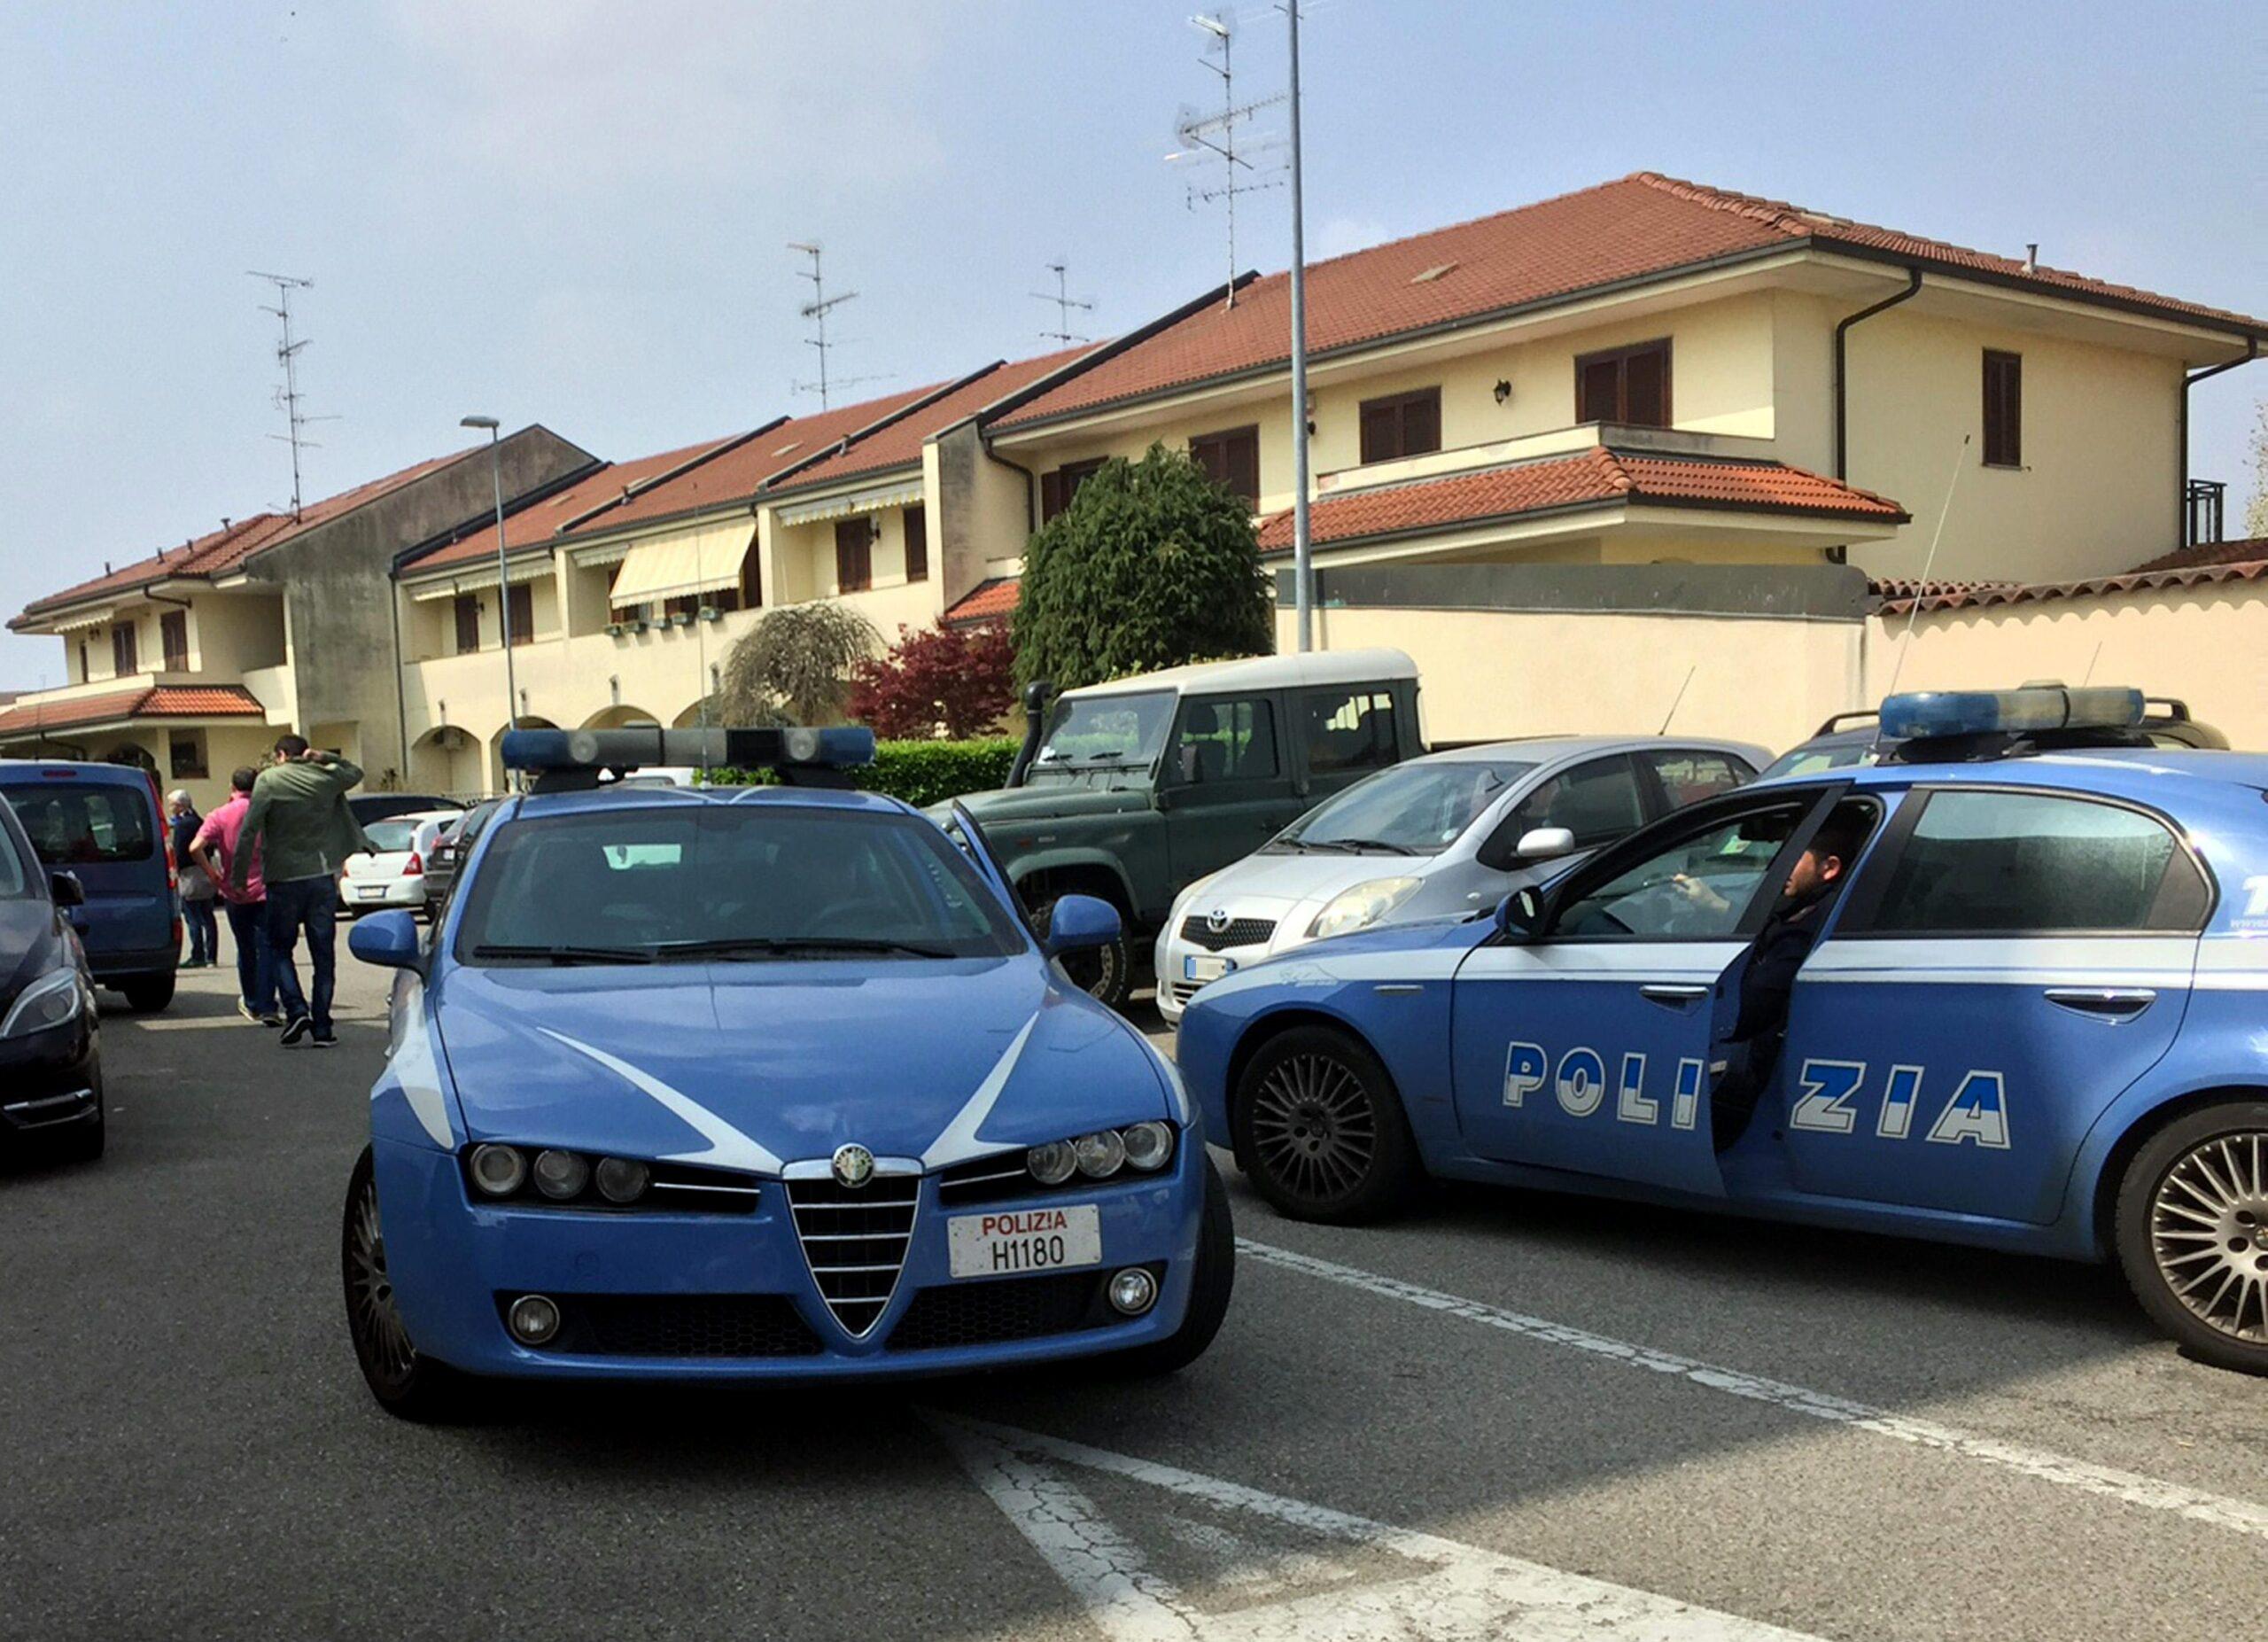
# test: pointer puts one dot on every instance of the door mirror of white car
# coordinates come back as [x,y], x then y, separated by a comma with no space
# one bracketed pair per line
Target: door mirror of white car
[387,938]
[1520,915]
[1545,843]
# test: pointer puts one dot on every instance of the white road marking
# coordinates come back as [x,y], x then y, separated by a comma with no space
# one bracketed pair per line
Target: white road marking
[1447,1589]
[2241,1516]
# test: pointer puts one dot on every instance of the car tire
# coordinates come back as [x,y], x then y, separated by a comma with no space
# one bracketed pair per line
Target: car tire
[1105,973]
[1320,1132]
[1209,1286]
[406,1382]
[2192,1233]
[149,994]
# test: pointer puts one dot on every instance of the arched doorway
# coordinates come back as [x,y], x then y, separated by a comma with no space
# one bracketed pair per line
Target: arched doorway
[621,716]
[496,782]
[446,759]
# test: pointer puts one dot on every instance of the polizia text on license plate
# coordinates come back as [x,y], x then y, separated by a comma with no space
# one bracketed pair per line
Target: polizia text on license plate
[1026,1240]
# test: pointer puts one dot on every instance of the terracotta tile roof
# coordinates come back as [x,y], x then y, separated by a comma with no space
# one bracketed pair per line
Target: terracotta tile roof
[1595,477]
[988,601]
[2210,553]
[900,443]
[166,701]
[2144,581]
[1641,226]
[1907,587]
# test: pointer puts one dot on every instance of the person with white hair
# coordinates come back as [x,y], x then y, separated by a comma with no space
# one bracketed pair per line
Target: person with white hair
[193,884]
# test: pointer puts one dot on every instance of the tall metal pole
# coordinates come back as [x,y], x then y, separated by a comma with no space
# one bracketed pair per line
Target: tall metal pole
[503,585]
[1303,565]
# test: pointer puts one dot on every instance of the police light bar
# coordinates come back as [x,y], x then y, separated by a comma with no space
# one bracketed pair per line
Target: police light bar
[840,747]
[1921,714]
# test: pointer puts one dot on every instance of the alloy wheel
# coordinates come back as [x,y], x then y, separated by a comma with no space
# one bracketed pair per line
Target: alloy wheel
[380,1334]
[2209,1234]
[1315,1126]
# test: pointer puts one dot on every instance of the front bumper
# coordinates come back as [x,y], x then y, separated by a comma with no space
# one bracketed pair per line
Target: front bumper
[659,1295]
[50,1081]
[1173,951]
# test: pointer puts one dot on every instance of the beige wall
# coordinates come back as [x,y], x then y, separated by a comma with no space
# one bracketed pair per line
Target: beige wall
[233,634]
[428,627]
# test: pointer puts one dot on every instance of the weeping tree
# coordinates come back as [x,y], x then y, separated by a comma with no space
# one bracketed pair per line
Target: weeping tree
[795,665]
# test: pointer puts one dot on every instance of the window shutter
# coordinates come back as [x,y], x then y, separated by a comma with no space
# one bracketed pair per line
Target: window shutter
[1645,388]
[1421,422]
[917,543]
[752,579]
[173,637]
[2003,409]
[124,655]
[1051,494]
[467,614]
[520,601]
[854,570]
[1244,463]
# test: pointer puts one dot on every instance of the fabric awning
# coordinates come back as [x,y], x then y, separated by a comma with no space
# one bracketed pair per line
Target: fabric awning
[699,561]
[872,499]
[471,578]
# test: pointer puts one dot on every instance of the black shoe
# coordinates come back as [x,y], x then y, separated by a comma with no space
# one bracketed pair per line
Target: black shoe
[326,1039]
[295,1029]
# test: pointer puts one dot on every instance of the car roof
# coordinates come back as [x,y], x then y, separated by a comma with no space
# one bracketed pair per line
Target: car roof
[662,797]
[2150,774]
[123,774]
[1262,672]
[1549,749]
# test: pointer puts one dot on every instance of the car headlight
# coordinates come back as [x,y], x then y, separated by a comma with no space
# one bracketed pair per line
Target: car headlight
[527,1177]
[50,1000]
[1363,906]
[1146,1147]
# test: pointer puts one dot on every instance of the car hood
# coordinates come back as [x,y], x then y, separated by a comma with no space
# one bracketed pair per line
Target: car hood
[1085,794]
[754,1066]
[1265,882]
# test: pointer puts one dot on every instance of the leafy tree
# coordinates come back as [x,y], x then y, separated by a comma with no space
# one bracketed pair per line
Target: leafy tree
[795,665]
[1152,566]
[956,677]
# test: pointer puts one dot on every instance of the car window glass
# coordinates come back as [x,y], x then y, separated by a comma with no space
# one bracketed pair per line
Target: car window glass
[1811,761]
[1688,776]
[390,835]
[1233,739]
[1420,807]
[1982,863]
[1598,802]
[1697,889]
[1345,729]
[75,826]
[1106,729]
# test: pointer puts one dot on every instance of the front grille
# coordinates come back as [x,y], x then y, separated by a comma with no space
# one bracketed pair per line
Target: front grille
[680,1326]
[1011,1308]
[1241,932]
[855,1242]
[1182,992]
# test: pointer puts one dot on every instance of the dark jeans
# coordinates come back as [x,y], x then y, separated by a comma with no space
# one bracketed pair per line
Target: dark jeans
[310,904]
[255,968]
[204,932]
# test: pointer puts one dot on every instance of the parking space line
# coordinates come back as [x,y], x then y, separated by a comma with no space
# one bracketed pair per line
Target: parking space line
[2241,1516]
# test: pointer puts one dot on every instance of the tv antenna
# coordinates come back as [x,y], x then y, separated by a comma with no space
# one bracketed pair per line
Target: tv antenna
[1064,303]
[1219,135]
[287,353]
[816,311]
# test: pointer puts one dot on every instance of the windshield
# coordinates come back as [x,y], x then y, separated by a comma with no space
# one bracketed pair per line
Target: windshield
[757,881]
[75,826]
[1811,761]
[1412,809]
[1106,732]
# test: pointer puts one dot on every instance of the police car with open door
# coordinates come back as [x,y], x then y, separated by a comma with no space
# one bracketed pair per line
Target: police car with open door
[2035,1018]
[755,1083]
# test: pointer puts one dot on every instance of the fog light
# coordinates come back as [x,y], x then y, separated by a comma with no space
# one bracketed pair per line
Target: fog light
[1100,1154]
[1148,1145]
[1132,1291]
[1052,1163]
[560,1174]
[534,1320]
[498,1171]
[622,1180]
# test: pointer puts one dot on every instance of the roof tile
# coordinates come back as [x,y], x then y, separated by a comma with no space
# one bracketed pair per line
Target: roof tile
[988,601]
[164,701]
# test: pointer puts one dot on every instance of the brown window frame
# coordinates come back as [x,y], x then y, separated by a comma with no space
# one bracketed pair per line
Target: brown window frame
[1620,358]
[752,579]
[1218,453]
[519,604]
[173,640]
[1369,423]
[2003,408]
[1058,485]
[465,611]
[125,650]
[916,522]
[193,767]
[854,555]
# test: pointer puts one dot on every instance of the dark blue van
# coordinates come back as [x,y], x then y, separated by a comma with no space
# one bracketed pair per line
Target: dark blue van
[99,822]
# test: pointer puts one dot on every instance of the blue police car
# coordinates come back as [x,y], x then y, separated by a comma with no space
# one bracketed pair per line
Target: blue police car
[2031,1015]
[747,1083]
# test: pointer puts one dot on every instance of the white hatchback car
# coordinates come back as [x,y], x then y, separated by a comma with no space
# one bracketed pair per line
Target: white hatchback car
[393,874]
[1446,834]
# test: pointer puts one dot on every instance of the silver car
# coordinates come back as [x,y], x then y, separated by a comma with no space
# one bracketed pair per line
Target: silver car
[1447,834]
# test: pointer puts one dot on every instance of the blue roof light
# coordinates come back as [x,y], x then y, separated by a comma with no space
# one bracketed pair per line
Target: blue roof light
[1919,714]
[840,747]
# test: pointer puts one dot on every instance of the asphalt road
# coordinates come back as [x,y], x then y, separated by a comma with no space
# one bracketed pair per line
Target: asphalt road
[1512,1415]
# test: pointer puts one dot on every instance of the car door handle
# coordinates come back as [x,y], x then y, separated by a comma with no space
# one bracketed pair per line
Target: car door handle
[2108,1003]
[1673,995]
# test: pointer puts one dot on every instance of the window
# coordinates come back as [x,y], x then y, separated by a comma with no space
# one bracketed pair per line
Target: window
[1598,802]
[682,604]
[752,579]
[1091,731]
[124,657]
[1625,384]
[86,666]
[1058,487]
[185,754]
[1344,730]
[1689,777]
[467,607]
[1231,459]
[73,824]
[854,555]
[2003,409]
[173,639]
[2006,863]
[1697,889]
[917,543]
[1232,740]
[1407,425]
[519,604]
[628,613]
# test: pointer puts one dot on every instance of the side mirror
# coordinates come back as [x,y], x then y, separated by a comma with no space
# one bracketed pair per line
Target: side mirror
[388,939]
[65,888]
[1544,844]
[1520,915]
[1079,924]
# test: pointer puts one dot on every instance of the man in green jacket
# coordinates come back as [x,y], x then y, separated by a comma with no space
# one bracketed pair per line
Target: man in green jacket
[300,819]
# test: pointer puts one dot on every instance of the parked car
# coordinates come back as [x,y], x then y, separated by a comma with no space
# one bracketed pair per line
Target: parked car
[50,1032]
[1855,738]
[392,872]
[1443,834]
[377,807]
[1130,791]
[100,822]
[451,846]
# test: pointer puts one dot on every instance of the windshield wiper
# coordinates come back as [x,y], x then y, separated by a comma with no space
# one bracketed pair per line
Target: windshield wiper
[1357,846]
[569,954]
[774,946]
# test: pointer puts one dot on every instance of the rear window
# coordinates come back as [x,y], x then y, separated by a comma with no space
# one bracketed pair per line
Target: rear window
[78,824]
[390,836]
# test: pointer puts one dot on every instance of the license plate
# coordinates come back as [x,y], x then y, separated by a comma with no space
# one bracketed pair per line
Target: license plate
[1194,967]
[375,892]
[1026,1240]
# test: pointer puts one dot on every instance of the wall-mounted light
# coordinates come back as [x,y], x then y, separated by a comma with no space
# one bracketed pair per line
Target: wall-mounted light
[1503,390]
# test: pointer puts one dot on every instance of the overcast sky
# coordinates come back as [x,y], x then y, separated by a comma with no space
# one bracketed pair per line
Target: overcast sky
[577,214]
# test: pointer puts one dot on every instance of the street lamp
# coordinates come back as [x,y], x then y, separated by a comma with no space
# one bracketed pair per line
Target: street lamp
[503,583]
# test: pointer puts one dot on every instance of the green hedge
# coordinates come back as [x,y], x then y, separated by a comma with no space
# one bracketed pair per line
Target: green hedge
[922,772]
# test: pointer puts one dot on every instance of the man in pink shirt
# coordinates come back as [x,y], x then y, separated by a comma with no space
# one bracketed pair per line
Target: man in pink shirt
[214,849]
